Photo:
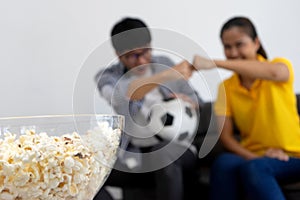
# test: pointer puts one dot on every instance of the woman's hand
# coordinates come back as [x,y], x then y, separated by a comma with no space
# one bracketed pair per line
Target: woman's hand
[203,63]
[277,153]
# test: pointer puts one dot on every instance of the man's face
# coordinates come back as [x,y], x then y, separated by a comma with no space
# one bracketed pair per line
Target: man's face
[136,60]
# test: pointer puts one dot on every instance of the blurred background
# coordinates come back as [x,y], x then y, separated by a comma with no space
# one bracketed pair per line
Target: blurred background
[44,44]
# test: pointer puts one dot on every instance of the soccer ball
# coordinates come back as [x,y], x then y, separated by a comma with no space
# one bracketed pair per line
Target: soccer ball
[174,120]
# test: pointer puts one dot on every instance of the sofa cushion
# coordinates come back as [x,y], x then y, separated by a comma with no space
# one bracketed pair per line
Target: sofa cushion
[298,103]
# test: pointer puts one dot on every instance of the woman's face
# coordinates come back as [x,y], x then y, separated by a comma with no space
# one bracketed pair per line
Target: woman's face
[239,45]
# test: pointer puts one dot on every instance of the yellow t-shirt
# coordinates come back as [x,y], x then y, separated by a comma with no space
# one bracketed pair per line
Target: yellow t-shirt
[266,115]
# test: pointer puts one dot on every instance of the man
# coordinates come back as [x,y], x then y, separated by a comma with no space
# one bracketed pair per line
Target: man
[131,86]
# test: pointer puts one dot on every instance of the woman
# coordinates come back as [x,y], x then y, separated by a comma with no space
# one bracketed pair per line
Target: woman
[261,103]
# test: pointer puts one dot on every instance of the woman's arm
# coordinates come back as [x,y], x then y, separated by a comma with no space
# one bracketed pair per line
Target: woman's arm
[250,68]
[138,88]
[225,126]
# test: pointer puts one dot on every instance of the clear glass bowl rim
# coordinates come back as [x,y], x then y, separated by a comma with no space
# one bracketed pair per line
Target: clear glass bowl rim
[61,115]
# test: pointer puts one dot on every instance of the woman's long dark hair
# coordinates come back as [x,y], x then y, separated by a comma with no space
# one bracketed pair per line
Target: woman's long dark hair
[248,27]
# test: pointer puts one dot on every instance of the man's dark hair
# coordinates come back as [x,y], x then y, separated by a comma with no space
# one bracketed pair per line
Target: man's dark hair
[129,34]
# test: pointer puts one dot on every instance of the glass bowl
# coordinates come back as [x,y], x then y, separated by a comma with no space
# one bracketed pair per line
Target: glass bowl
[61,157]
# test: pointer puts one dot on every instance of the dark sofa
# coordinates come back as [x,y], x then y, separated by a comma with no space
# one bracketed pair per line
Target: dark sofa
[209,149]
[208,132]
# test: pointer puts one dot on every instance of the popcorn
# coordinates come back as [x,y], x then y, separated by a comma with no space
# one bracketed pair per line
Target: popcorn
[71,167]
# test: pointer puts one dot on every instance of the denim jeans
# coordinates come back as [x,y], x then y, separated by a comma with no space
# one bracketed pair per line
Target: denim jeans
[233,177]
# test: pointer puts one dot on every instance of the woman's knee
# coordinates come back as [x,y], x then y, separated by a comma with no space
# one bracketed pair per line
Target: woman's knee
[252,171]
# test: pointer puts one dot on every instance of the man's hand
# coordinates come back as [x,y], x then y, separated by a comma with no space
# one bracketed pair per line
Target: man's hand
[183,70]
[185,98]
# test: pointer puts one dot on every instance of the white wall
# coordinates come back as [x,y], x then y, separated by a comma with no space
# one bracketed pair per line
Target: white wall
[45,43]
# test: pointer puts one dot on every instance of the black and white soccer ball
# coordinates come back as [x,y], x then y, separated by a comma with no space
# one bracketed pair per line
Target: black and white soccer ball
[174,119]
